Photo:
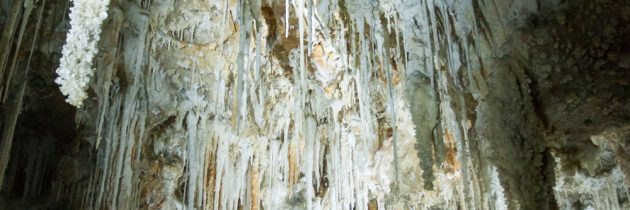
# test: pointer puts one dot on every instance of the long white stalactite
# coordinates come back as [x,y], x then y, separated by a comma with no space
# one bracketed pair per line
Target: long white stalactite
[324,122]
[300,104]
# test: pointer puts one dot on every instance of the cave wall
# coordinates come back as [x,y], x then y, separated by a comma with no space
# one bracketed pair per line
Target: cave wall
[198,104]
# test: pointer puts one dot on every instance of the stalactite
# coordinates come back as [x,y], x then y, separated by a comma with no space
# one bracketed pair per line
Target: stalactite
[14,111]
[28,8]
[7,39]
[9,124]
[299,132]
[360,105]
[75,70]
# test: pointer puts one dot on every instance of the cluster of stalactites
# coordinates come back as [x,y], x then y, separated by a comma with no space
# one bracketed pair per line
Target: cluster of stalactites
[75,68]
[372,56]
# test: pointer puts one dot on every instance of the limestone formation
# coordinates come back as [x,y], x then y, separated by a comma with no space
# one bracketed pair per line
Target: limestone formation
[314,104]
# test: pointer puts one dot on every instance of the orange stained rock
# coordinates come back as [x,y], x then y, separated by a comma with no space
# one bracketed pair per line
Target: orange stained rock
[451,150]
[293,167]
